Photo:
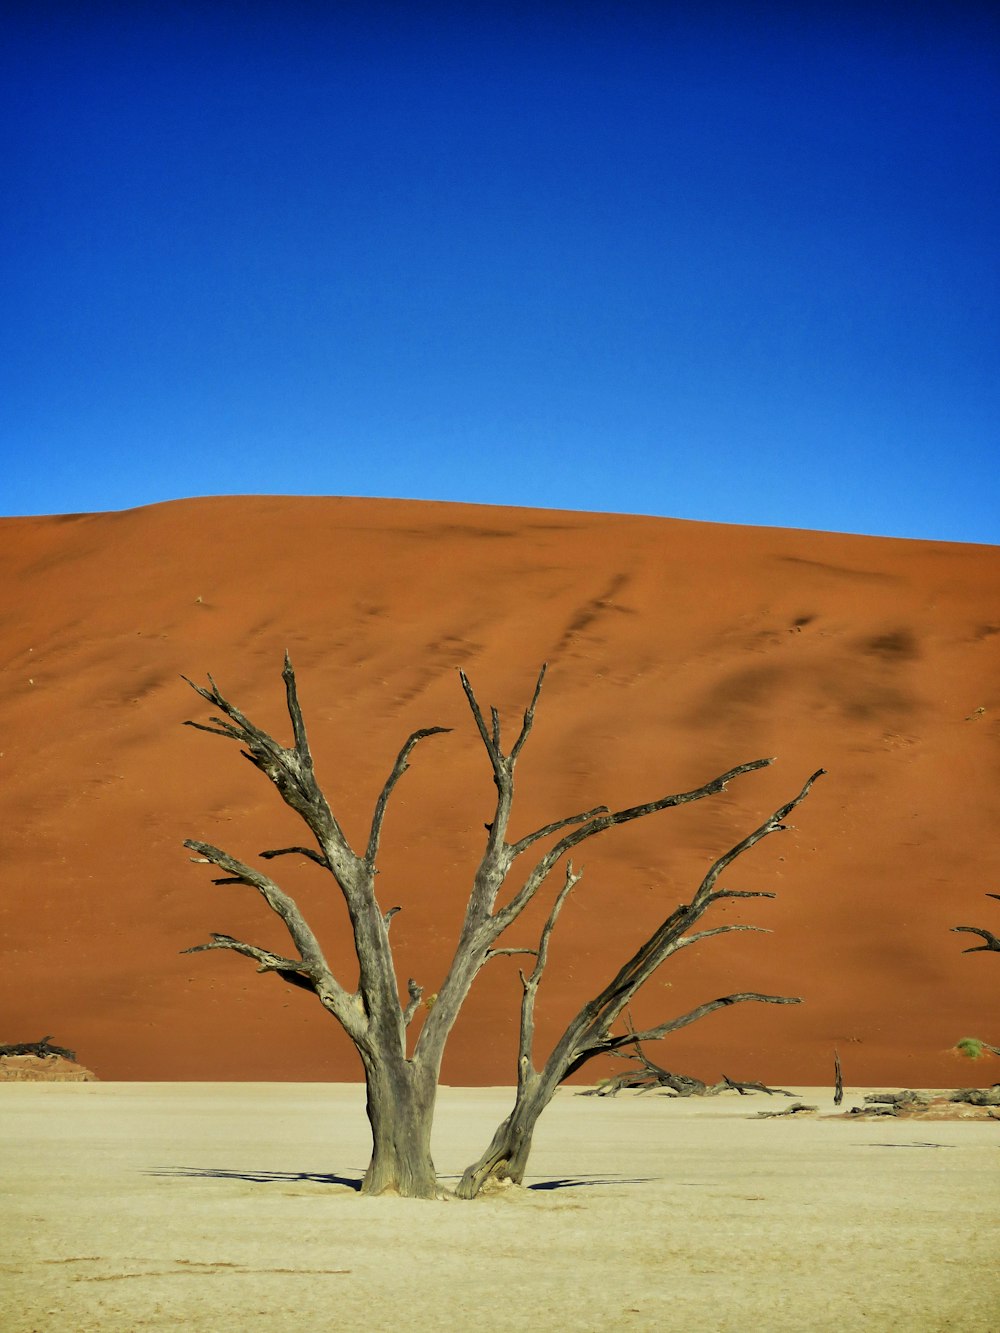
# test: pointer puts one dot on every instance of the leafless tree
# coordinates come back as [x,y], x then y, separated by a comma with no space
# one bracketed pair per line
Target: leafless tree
[402,1077]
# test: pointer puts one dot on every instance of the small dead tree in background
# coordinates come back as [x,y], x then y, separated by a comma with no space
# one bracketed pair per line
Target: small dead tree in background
[645,1075]
[973,1046]
[402,1082]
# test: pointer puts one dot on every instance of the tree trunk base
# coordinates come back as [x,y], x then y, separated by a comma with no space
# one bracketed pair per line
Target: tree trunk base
[504,1161]
[405,1177]
[400,1112]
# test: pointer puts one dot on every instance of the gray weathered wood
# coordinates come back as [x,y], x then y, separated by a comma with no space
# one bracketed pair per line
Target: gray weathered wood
[402,1083]
[42,1048]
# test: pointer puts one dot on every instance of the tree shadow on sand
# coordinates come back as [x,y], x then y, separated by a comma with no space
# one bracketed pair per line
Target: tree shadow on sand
[576,1182]
[353,1181]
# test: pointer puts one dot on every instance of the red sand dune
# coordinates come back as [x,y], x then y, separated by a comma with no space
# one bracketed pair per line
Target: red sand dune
[676,650]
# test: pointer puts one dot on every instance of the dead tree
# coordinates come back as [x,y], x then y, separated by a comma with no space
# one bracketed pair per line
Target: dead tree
[973,1046]
[590,1031]
[43,1049]
[647,1076]
[402,1082]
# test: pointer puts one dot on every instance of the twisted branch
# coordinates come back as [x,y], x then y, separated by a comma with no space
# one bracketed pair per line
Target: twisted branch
[992,944]
[311,964]
[398,769]
[589,1033]
[289,770]
[294,970]
[415,992]
[601,822]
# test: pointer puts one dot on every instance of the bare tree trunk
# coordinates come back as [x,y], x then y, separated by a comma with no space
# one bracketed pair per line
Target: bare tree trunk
[400,1092]
[590,1032]
[507,1155]
[375,1016]
[401,1112]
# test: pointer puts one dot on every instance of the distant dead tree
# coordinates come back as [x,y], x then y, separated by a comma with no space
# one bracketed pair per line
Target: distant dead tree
[973,1046]
[644,1075]
[43,1048]
[402,1081]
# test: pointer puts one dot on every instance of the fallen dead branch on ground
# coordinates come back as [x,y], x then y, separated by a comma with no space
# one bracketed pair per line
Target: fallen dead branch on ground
[960,1103]
[649,1077]
[43,1049]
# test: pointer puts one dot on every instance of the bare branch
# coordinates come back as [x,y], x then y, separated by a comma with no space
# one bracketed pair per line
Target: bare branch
[992,944]
[290,771]
[573,878]
[594,1020]
[773,824]
[220,729]
[294,970]
[650,1075]
[283,906]
[838,1079]
[491,872]
[699,935]
[295,713]
[741,893]
[309,852]
[711,788]
[415,992]
[685,1020]
[493,750]
[400,1086]
[524,843]
[505,915]
[529,716]
[240,725]
[43,1048]
[530,984]
[590,1031]
[398,769]
[682,1084]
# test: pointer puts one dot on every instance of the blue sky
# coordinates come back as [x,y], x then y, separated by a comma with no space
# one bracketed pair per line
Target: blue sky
[724,262]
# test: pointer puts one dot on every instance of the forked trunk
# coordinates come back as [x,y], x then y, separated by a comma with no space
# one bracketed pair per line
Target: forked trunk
[401,1092]
[400,1112]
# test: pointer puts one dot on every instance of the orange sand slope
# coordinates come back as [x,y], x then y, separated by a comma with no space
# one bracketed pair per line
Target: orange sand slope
[676,651]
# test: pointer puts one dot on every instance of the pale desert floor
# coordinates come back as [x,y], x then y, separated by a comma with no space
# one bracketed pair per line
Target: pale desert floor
[215,1206]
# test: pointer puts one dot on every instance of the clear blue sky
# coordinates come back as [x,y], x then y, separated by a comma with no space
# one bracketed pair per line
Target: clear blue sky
[728,262]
